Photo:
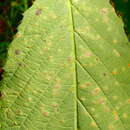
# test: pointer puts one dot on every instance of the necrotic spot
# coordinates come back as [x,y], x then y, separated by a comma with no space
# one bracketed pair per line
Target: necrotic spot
[38,12]
[17,52]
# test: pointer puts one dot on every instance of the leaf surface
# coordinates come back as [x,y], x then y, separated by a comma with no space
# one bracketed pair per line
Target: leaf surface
[68,69]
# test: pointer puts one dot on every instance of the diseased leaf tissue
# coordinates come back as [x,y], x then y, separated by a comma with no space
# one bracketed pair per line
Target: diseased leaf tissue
[67,69]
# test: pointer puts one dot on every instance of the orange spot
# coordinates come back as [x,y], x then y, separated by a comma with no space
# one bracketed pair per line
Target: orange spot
[114,72]
[115,115]
[128,100]
[128,65]
[96,91]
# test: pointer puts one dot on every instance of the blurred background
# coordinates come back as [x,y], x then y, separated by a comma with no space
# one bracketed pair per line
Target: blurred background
[11,15]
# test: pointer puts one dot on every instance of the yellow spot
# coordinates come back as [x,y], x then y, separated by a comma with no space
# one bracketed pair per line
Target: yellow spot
[15,123]
[59,50]
[97,20]
[106,88]
[116,53]
[45,114]
[114,72]
[128,100]
[88,84]
[57,86]
[115,115]
[70,59]
[55,105]
[128,65]
[101,100]
[123,69]
[120,103]
[109,29]
[115,97]
[124,115]
[88,54]
[105,19]
[55,92]
[46,49]
[49,44]
[89,9]
[92,109]
[62,121]
[72,89]
[76,1]
[29,99]
[116,83]
[106,109]
[44,17]
[104,11]
[96,91]
[93,124]
[87,28]
[83,98]
[91,36]
[97,37]
[111,127]
[117,107]
[86,113]
[83,86]
[53,16]
[115,41]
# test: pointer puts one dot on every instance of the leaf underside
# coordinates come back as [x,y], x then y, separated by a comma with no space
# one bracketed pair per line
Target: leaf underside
[68,69]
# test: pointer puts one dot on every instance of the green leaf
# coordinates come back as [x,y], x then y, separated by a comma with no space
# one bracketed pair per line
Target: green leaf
[68,69]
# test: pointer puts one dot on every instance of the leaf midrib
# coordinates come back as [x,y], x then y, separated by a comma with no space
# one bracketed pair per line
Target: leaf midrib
[75,66]
[75,62]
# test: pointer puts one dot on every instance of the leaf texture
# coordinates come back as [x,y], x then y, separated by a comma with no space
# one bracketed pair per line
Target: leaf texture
[68,69]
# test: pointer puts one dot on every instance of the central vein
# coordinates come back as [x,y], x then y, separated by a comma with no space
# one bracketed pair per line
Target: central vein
[75,66]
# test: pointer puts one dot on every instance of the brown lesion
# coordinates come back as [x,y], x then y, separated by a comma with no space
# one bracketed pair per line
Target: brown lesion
[38,12]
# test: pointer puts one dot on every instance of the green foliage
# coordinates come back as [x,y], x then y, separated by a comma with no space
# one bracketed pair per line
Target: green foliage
[68,68]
